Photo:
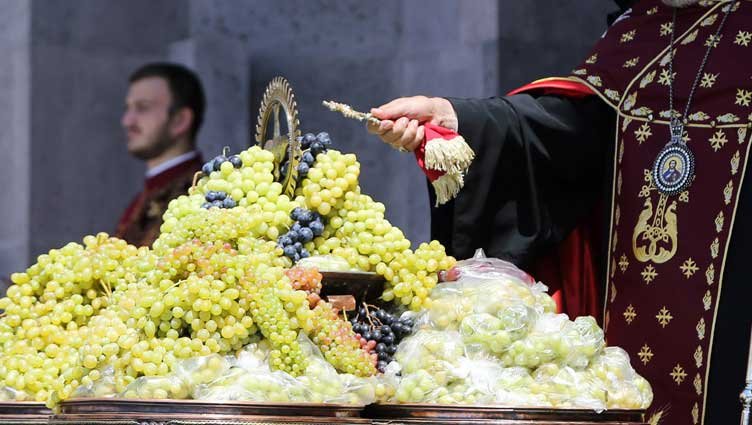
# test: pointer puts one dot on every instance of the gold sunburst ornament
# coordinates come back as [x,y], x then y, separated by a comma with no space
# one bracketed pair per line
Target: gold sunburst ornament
[278,97]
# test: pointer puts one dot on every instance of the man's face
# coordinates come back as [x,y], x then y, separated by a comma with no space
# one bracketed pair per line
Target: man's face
[146,117]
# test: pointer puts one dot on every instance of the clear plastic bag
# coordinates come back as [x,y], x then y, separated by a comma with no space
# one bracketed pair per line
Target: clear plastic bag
[201,370]
[326,385]
[260,385]
[437,352]
[554,338]
[329,263]
[485,332]
[12,394]
[157,387]
[565,387]
[485,285]
[254,356]
[101,388]
[626,389]
[482,267]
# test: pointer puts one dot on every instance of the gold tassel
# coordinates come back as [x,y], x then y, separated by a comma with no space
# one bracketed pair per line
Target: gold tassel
[447,187]
[452,156]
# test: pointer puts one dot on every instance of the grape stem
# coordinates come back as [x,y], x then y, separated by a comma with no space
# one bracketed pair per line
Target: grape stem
[196,177]
[225,150]
[368,314]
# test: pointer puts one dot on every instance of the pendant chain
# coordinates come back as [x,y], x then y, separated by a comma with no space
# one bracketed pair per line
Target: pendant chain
[675,121]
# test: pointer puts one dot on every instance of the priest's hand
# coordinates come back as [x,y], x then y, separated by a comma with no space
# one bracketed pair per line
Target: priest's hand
[402,120]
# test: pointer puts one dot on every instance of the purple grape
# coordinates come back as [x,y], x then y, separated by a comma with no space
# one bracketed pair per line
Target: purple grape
[236,161]
[208,168]
[229,203]
[289,251]
[317,228]
[306,234]
[381,348]
[304,253]
[217,162]
[206,205]
[285,240]
[324,138]
[303,169]
[376,334]
[308,158]
[308,138]
[317,148]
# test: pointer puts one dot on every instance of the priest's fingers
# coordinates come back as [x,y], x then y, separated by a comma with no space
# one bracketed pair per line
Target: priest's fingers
[408,136]
[420,134]
[416,107]
[381,128]
[398,129]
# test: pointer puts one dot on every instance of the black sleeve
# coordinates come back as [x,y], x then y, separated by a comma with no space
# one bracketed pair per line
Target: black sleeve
[540,167]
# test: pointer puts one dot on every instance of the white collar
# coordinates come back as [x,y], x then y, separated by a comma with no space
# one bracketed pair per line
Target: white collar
[159,169]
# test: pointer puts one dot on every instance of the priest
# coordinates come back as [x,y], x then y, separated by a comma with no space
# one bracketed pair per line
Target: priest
[623,186]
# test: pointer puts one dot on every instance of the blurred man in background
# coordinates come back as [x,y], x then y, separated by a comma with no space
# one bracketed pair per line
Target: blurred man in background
[164,109]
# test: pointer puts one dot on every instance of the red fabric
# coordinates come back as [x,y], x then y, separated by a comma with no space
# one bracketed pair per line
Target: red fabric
[570,273]
[556,86]
[570,270]
[134,225]
[433,132]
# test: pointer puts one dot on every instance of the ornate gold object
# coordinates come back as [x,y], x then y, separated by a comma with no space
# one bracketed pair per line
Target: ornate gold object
[348,112]
[285,147]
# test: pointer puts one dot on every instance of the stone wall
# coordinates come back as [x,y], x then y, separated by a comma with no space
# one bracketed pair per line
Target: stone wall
[62,93]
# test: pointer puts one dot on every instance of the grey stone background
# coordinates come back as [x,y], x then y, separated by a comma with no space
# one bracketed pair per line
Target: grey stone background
[63,75]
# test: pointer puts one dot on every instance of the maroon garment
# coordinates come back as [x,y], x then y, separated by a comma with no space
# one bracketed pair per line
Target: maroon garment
[140,223]
[667,254]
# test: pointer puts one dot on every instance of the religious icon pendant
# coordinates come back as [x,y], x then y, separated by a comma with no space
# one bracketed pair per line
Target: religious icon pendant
[674,168]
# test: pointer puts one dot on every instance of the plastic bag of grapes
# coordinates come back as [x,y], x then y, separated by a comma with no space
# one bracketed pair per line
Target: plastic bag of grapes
[12,394]
[554,338]
[325,385]
[201,370]
[515,387]
[157,387]
[484,332]
[254,356]
[436,352]
[626,389]
[102,387]
[261,385]
[482,267]
[485,285]
[565,387]
[326,263]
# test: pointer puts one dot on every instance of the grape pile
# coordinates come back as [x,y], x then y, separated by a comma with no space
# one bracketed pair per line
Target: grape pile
[490,337]
[381,332]
[106,318]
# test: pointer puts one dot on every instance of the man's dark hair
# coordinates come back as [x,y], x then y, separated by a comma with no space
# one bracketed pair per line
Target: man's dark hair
[185,88]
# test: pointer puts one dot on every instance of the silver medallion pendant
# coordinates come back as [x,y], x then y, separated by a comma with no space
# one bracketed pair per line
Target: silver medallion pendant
[674,168]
